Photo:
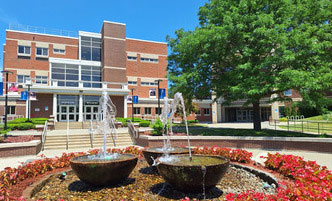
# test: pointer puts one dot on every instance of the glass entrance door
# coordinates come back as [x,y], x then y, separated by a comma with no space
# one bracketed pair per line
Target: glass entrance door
[68,112]
[90,112]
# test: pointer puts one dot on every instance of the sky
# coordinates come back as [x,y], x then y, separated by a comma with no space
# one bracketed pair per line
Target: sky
[144,19]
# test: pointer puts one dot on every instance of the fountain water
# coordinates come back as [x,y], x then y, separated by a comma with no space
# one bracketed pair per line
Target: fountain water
[150,154]
[187,172]
[99,169]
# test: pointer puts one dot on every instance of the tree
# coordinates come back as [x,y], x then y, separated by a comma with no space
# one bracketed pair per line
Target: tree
[251,49]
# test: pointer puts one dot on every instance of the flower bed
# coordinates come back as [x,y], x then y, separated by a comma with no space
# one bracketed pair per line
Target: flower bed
[13,139]
[312,182]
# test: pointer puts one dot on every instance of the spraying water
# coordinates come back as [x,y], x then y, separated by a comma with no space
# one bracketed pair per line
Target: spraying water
[106,123]
[168,116]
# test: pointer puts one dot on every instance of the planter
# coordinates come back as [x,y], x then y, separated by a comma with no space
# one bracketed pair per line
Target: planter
[202,171]
[150,154]
[101,172]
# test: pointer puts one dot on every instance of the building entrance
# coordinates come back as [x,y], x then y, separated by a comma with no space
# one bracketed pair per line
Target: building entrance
[90,112]
[68,113]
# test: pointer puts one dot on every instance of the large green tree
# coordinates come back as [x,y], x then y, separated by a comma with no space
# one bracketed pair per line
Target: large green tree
[251,49]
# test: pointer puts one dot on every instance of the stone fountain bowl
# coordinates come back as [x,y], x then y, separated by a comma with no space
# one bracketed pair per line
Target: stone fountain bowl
[101,172]
[155,152]
[189,176]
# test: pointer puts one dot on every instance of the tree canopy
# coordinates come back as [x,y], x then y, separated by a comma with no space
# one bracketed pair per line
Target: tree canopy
[251,49]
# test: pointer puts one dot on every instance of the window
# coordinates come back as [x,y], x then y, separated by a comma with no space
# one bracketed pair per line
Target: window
[90,48]
[288,92]
[24,50]
[158,110]
[152,93]
[91,75]
[149,60]
[198,113]
[149,83]
[40,51]
[41,79]
[147,110]
[59,51]
[137,110]
[66,74]
[132,58]
[22,78]
[206,111]
[132,82]
[11,109]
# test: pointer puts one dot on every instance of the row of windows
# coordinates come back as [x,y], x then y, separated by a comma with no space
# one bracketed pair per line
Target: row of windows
[206,112]
[68,75]
[143,83]
[147,110]
[40,51]
[131,58]
[39,79]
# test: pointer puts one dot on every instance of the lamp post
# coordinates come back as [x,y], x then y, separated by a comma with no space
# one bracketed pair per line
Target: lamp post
[29,84]
[6,97]
[132,104]
[158,81]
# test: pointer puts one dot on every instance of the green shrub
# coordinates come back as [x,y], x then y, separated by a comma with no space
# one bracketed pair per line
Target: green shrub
[157,128]
[284,119]
[17,121]
[144,123]
[25,126]
[38,120]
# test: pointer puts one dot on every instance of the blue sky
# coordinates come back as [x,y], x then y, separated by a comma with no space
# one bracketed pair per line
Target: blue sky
[145,19]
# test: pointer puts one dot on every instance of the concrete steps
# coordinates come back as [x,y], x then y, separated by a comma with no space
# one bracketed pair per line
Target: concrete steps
[58,140]
[72,125]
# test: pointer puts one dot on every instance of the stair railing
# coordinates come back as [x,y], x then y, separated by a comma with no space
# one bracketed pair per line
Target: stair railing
[91,133]
[44,134]
[133,132]
[67,141]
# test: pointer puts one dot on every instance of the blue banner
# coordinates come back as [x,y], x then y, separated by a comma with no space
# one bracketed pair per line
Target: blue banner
[162,93]
[135,99]
[24,95]
[1,88]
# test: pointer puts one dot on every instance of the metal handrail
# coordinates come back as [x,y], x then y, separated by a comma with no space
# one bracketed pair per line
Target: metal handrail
[44,134]
[91,133]
[133,132]
[67,140]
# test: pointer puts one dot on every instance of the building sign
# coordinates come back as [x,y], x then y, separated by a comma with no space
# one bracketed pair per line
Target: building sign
[152,93]
[33,96]
[91,103]
[1,88]
[13,88]
[162,93]
[135,99]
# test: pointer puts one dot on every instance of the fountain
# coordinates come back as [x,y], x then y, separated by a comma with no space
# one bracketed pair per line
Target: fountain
[150,154]
[104,168]
[187,172]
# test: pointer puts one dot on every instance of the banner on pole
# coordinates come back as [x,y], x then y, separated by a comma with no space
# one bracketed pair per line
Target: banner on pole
[1,88]
[24,95]
[162,93]
[135,99]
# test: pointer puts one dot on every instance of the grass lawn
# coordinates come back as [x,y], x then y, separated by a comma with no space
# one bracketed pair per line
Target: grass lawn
[314,127]
[204,131]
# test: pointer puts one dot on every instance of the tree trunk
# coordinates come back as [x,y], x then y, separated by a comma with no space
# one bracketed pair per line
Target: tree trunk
[256,116]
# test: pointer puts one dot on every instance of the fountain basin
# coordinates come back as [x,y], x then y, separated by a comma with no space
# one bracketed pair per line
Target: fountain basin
[156,152]
[189,176]
[101,172]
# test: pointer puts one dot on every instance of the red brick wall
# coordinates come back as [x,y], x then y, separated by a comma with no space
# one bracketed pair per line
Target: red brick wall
[43,100]
[147,69]
[241,144]
[119,103]
[11,48]
[20,151]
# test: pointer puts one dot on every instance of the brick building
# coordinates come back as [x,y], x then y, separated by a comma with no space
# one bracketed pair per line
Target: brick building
[69,73]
